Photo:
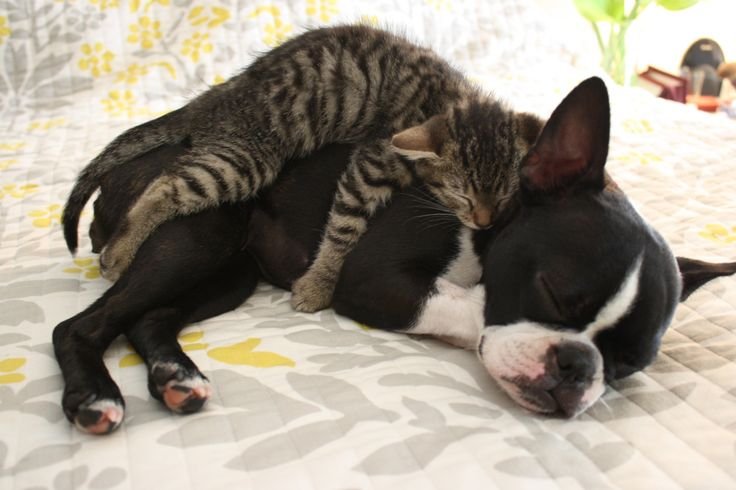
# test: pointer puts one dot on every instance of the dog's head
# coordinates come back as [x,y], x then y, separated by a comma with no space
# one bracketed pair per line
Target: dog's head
[579,289]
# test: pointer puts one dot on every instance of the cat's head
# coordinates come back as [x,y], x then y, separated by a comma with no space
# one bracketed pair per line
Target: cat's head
[468,157]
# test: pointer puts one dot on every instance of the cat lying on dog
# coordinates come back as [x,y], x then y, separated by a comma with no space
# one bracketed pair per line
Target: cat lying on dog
[408,114]
[568,290]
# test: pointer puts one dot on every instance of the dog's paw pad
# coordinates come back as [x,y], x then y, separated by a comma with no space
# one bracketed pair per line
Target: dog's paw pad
[182,390]
[99,416]
[186,396]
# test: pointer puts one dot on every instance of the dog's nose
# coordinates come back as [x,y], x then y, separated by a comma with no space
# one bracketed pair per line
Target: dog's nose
[576,368]
[575,362]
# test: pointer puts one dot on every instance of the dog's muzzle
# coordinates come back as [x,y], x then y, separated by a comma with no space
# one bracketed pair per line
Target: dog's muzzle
[543,370]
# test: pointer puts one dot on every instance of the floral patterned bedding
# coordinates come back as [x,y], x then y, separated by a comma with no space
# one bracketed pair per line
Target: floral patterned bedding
[317,401]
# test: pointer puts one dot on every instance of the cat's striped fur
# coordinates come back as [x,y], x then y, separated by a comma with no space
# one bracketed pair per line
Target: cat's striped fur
[414,115]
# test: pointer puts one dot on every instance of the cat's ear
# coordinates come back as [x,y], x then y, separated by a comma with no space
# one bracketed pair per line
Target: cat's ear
[572,148]
[423,141]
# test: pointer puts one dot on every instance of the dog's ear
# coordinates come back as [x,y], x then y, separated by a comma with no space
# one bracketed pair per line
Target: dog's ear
[695,273]
[572,148]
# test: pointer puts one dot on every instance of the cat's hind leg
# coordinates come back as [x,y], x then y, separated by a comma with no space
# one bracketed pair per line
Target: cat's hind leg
[197,180]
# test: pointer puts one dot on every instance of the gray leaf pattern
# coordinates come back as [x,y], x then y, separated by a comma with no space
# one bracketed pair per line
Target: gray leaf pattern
[14,313]
[420,450]
[43,456]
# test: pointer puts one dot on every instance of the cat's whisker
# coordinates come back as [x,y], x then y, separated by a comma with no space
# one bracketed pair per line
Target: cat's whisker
[435,224]
[444,216]
[423,203]
[434,220]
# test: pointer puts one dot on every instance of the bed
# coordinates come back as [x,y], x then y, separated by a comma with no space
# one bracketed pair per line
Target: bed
[316,401]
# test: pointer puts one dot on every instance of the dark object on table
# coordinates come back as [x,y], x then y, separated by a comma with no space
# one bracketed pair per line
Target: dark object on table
[700,62]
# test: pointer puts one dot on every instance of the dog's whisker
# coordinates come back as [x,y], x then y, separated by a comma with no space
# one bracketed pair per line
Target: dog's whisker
[605,403]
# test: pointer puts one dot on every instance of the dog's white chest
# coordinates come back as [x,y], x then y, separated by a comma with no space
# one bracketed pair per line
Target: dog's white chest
[465,269]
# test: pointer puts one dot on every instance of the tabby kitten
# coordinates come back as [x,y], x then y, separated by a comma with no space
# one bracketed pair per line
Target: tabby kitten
[414,115]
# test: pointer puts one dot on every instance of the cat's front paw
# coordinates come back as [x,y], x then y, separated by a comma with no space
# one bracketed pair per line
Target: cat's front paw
[311,293]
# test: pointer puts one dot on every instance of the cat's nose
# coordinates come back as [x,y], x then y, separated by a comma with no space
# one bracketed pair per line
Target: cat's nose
[482,217]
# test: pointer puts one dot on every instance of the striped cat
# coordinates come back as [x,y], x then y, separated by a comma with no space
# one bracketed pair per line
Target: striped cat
[415,116]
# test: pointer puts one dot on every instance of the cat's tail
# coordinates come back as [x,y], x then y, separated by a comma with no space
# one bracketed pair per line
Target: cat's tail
[169,128]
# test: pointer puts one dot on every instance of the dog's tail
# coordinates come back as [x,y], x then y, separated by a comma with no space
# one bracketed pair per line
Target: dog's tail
[169,128]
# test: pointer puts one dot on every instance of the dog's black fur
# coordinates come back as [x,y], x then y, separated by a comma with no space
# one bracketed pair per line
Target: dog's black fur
[199,266]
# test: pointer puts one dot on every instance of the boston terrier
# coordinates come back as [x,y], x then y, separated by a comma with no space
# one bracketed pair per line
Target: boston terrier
[568,290]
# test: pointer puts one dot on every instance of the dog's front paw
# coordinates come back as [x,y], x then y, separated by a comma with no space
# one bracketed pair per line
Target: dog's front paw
[182,389]
[311,292]
[93,414]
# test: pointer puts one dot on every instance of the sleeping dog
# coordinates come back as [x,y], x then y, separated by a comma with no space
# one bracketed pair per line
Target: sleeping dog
[569,289]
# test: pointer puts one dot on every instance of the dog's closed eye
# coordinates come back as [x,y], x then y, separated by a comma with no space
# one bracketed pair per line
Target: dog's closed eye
[551,304]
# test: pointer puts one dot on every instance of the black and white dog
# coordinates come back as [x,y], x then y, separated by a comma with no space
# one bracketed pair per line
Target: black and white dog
[569,289]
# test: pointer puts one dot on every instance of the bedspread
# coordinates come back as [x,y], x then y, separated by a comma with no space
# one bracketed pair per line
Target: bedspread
[316,401]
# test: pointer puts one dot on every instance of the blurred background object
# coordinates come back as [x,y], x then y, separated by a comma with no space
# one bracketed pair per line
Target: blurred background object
[659,37]
[611,21]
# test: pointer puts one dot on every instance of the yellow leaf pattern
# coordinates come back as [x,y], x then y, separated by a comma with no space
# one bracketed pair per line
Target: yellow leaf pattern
[96,59]
[719,233]
[122,103]
[210,17]
[128,360]
[642,158]
[145,32]
[162,3]
[105,4]
[638,126]
[7,366]
[45,217]
[198,43]
[190,342]
[18,191]
[324,10]
[46,124]
[276,31]
[243,354]
[11,364]
[87,267]
[4,29]
[135,71]
[12,146]
[132,74]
